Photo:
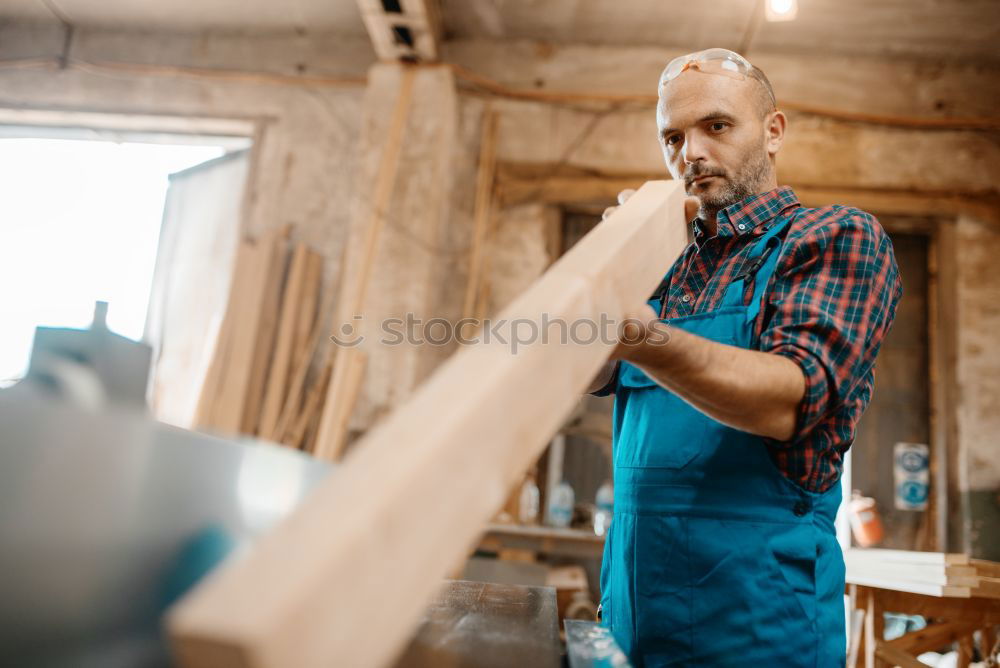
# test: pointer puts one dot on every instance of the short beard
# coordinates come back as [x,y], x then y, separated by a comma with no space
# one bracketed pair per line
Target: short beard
[754,173]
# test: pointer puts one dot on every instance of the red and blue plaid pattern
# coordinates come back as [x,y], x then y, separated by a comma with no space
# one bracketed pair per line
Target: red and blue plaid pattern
[829,306]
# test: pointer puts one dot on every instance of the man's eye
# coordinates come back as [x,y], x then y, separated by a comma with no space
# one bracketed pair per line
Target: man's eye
[672,139]
[718,126]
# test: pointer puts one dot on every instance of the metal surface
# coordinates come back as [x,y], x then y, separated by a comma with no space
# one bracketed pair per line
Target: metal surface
[106,516]
[591,645]
[487,626]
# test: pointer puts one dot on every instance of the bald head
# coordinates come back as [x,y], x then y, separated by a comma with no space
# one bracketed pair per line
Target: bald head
[720,133]
[764,93]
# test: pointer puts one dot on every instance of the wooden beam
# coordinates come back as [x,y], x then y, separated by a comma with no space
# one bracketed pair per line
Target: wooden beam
[413,33]
[483,211]
[896,657]
[345,384]
[284,349]
[344,579]
[932,638]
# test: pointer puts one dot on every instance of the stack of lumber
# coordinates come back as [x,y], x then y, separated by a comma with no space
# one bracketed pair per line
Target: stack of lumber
[928,573]
[260,381]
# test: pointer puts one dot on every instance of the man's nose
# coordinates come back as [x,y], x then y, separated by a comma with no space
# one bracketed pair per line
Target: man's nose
[693,149]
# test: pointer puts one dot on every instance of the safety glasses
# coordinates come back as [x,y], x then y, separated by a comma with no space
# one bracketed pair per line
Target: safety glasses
[717,61]
[711,61]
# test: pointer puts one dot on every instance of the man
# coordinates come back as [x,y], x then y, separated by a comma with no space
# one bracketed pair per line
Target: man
[736,401]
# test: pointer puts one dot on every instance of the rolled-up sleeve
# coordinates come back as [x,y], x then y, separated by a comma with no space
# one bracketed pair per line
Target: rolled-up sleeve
[610,386]
[834,296]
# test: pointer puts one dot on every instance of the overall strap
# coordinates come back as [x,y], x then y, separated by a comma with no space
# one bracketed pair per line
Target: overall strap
[758,267]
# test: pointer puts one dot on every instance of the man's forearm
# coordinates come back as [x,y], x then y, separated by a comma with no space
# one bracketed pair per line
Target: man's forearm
[748,390]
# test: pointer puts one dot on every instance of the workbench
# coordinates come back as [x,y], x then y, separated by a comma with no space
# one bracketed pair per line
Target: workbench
[954,620]
[543,540]
[487,626]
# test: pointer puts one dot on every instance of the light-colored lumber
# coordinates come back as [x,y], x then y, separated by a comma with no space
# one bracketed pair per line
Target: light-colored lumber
[310,408]
[483,211]
[344,580]
[987,588]
[986,569]
[288,322]
[308,302]
[348,374]
[964,576]
[906,556]
[229,399]
[857,629]
[308,347]
[243,266]
[340,397]
[263,323]
[910,586]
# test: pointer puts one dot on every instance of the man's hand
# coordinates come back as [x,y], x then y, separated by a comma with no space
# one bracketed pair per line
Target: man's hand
[752,391]
[691,205]
[638,332]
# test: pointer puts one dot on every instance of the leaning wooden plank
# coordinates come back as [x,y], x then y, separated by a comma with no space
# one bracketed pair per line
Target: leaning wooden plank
[277,377]
[227,408]
[310,410]
[354,286]
[483,211]
[344,580]
[204,416]
[348,373]
[265,324]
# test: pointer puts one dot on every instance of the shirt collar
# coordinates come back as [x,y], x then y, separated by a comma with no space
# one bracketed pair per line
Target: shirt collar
[753,213]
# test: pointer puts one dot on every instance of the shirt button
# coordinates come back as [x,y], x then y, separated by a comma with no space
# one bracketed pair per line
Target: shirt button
[741,226]
[800,509]
[686,298]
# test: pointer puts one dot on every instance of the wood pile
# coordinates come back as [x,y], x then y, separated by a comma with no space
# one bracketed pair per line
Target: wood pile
[262,381]
[928,573]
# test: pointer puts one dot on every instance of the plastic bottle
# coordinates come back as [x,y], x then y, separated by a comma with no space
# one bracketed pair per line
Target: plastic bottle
[866,524]
[605,508]
[528,504]
[561,505]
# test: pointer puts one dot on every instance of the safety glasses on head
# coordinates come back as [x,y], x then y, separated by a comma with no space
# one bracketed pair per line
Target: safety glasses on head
[712,61]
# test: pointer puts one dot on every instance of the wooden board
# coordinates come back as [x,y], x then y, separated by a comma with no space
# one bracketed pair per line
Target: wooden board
[207,403]
[262,324]
[288,322]
[348,374]
[234,385]
[872,555]
[345,384]
[909,586]
[344,580]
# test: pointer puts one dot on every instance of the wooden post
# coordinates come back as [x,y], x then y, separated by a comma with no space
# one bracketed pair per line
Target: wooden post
[344,580]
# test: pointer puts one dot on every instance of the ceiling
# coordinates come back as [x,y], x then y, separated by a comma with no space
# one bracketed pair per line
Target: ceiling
[927,29]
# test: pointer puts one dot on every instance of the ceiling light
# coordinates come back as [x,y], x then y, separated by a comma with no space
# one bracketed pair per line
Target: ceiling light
[781,10]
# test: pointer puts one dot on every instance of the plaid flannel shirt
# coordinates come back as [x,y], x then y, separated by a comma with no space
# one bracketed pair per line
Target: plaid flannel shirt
[829,306]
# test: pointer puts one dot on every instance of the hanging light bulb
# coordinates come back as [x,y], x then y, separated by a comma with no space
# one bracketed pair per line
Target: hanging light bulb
[781,10]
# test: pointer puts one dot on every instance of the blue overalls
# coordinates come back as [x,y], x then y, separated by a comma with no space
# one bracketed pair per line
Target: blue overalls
[714,558]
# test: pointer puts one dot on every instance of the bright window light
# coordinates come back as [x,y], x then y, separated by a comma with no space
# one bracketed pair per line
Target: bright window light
[79,222]
[781,10]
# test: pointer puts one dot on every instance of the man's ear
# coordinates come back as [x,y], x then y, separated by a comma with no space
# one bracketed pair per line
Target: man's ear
[774,131]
